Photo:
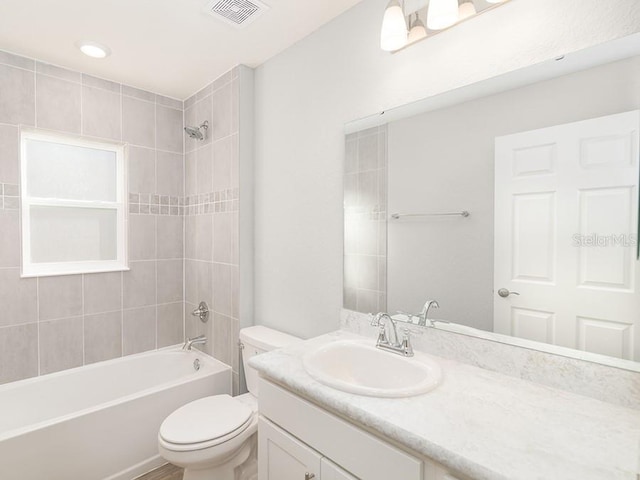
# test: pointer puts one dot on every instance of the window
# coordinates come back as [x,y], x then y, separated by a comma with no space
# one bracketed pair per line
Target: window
[73,205]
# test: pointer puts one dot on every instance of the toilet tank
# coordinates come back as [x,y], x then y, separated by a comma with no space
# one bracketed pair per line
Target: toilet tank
[257,340]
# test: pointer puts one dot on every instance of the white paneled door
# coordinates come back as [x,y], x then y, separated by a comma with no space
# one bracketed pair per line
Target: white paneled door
[566,226]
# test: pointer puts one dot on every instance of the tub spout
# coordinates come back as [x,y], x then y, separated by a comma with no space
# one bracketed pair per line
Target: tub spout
[200,340]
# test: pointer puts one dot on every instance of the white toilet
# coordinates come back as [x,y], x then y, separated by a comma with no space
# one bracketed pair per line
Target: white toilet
[213,436]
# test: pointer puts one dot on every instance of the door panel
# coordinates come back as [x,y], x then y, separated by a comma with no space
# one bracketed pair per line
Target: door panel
[282,457]
[566,219]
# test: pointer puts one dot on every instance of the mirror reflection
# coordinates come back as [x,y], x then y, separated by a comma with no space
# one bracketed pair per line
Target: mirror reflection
[514,213]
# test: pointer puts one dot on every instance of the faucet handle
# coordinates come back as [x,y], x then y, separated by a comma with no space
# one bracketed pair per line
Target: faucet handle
[407,348]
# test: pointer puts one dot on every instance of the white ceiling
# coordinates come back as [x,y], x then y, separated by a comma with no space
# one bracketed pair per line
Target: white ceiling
[167,46]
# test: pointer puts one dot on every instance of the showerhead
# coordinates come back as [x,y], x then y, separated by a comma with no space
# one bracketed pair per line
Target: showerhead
[198,133]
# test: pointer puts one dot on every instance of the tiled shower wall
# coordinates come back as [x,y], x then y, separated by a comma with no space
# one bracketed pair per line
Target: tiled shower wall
[365,228]
[54,323]
[212,188]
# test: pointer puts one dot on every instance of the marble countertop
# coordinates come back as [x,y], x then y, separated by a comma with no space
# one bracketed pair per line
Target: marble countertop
[483,424]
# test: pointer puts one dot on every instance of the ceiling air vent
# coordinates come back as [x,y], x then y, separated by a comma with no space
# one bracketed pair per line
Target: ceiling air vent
[238,13]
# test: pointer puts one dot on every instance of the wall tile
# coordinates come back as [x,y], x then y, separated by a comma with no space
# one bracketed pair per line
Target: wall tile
[204,173]
[142,170]
[91,81]
[102,337]
[221,113]
[101,115]
[170,174]
[170,102]
[235,292]
[60,344]
[169,129]
[169,281]
[60,297]
[102,292]
[222,161]
[142,237]
[18,298]
[58,104]
[139,330]
[225,338]
[137,93]
[18,352]
[190,235]
[191,281]
[170,236]
[190,173]
[138,122]
[222,236]
[9,154]
[204,237]
[204,274]
[140,284]
[58,72]
[17,96]
[222,289]
[17,61]
[9,238]
[170,324]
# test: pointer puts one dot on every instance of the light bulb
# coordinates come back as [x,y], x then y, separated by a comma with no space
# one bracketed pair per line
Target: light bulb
[394,28]
[466,10]
[94,50]
[442,14]
[417,30]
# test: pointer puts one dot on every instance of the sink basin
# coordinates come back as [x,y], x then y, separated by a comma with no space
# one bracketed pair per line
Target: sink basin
[359,367]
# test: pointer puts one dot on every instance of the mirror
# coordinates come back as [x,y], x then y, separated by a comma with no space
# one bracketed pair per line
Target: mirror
[512,203]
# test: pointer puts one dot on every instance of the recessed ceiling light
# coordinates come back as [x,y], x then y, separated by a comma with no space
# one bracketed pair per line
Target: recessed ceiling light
[94,50]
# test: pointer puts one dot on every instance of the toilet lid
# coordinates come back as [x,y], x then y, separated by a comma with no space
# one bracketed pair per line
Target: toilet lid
[204,420]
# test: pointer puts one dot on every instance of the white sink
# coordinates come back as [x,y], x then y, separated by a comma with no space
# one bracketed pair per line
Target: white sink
[359,367]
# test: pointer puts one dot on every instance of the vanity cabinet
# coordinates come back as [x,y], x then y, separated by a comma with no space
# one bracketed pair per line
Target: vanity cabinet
[301,441]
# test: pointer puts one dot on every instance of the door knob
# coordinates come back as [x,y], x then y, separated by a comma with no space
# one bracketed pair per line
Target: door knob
[309,476]
[504,293]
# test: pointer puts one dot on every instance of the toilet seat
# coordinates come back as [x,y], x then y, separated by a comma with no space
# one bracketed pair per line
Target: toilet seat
[205,423]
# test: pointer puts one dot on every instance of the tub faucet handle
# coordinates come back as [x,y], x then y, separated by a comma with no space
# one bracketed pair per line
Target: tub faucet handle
[202,312]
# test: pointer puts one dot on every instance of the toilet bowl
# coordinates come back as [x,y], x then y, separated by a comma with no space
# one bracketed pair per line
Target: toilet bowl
[214,438]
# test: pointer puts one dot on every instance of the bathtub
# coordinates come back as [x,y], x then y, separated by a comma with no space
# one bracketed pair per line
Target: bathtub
[100,421]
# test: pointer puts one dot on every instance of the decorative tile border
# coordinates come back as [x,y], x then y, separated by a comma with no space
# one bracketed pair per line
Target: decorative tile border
[150,204]
[214,202]
[9,196]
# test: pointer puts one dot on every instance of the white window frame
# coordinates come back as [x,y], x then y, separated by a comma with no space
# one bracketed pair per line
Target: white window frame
[31,269]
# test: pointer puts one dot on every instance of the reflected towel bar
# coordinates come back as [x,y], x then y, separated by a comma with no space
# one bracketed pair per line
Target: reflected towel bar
[397,216]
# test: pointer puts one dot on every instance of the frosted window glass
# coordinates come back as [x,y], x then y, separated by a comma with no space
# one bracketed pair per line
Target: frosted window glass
[70,172]
[67,234]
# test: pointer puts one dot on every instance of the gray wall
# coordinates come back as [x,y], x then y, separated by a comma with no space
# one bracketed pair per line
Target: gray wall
[53,323]
[444,161]
[212,230]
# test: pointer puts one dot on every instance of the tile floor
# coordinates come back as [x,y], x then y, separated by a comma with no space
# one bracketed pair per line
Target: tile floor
[166,472]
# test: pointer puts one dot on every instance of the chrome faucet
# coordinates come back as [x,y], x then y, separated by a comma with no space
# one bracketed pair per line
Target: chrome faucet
[423,316]
[403,347]
[199,340]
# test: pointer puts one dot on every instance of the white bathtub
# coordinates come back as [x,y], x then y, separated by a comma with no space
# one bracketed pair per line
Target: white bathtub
[99,421]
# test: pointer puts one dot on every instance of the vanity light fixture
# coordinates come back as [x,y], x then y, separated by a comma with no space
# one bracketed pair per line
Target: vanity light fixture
[417,31]
[394,28]
[466,9]
[94,50]
[442,14]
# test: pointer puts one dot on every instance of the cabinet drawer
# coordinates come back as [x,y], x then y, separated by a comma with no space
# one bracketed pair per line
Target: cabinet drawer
[364,455]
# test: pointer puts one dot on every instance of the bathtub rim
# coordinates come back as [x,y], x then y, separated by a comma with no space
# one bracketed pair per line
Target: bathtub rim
[219,368]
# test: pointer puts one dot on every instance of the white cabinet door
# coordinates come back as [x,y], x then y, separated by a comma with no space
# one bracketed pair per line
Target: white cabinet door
[566,221]
[331,471]
[282,457]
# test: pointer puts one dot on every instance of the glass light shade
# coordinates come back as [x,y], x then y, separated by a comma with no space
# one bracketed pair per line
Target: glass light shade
[94,50]
[417,32]
[394,28]
[466,10]
[442,14]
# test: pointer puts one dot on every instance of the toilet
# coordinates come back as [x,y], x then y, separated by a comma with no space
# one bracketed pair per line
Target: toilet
[214,438]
